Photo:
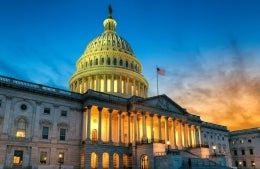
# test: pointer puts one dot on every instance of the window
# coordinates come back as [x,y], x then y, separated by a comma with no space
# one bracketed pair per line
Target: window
[43,157]
[96,62]
[244,163]
[249,140]
[121,62]
[20,132]
[242,141]
[234,142]
[45,132]
[115,61]
[108,61]
[235,152]
[236,163]
[47,111]
[205,136]
[243,152]
[223,138]
[0,103]
[18,157]
[63,113]
[62,134]
[251,151]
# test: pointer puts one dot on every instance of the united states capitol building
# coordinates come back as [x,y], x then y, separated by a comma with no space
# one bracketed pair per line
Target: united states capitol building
[107,121]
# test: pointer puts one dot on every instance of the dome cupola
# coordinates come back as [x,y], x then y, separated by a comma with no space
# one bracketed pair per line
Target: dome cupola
[109,65]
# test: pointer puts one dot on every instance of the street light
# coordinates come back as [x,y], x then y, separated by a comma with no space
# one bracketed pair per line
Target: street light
[60,160]
[239,164]
[168,146]
[253,164]
[214,149]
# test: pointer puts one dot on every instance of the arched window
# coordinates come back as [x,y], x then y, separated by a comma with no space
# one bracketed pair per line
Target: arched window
[114,62]
[90,62]
[116,161]
[125,161]
[121,62]
[105,161]
[94,161]
[86,64]
[126,64]
[108,61]
[144,162]
[96,62]
[21,128]
[102,61]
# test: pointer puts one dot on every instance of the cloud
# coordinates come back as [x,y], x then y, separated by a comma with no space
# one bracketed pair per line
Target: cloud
[226,92]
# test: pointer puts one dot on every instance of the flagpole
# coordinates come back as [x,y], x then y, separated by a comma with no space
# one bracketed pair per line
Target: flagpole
[157,80]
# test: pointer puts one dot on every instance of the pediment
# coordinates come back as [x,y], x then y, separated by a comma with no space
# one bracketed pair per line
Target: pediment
[162,102]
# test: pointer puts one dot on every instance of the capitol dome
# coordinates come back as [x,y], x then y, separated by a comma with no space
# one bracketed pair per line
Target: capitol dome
[109,65]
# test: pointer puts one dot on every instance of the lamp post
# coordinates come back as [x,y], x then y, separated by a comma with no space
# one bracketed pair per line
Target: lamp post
[239,164]
[168,146]
[253,164]
[60,160]
[214,150]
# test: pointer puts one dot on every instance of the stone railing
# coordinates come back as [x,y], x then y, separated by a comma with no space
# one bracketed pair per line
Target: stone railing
[37,87]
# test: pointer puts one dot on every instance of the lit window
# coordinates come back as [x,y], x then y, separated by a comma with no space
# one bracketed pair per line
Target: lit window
[94,160]
[45,132]
[43,157]
[241,141]
[62,134]
[18,157]
[47,111]
[20,132]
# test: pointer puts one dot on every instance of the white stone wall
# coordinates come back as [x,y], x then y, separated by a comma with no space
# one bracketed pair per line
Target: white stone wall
[32,144]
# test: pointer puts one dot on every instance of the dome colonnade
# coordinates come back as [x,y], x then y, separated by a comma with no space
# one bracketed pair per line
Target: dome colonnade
[109,65]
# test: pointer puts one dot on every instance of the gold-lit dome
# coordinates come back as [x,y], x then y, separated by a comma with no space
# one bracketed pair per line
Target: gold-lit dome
[109,65]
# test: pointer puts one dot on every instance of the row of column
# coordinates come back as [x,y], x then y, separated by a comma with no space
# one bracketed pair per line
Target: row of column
[110,83]
[132,127]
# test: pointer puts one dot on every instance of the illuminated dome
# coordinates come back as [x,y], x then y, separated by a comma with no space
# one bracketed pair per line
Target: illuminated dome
[109,65]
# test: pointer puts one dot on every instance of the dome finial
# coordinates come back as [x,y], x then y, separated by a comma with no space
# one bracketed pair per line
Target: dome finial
[110,11]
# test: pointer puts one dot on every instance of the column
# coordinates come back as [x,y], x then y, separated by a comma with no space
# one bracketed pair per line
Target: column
[134,140]
[120,84]
[110,126]
[84,128]
[159,128]
[133,88]
[83,85]
[127,86]
[139,89]
[128,133]
[119,127]
[99,124]
[112,83]
[97,84]
[190,135]
[199,135]
[105,83]
[152,134]
[174,133]
[144,127]
[181,134]
[89,87]
[167,130]
[89,122]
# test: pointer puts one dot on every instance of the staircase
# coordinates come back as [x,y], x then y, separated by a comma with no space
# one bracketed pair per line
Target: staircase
[198,162]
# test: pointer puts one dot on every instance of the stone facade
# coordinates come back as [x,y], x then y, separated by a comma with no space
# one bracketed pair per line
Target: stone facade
[245,148]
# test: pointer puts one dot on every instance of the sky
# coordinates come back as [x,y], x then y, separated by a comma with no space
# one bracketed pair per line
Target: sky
[210,49]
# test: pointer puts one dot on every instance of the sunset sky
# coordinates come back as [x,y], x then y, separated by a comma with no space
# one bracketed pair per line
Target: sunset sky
[210,49]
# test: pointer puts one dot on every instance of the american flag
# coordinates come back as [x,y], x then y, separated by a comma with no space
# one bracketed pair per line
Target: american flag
[160,71]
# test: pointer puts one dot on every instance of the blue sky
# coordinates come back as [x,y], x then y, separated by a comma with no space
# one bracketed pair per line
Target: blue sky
[209,48]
